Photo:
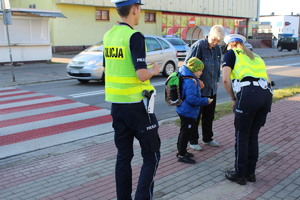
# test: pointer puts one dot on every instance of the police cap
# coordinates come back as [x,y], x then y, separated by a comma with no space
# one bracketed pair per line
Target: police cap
[120,3]
[234,37]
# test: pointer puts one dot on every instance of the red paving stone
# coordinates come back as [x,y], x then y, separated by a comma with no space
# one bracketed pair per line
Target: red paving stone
[279,158]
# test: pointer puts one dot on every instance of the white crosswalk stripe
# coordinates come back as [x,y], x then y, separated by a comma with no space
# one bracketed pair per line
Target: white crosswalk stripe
[31,121]
[10,105]
[42,110]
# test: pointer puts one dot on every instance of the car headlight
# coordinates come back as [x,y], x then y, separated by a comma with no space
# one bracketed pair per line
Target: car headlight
[91,62]
[99,64]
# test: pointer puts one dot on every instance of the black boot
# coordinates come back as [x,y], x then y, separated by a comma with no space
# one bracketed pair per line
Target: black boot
[232,176]
[186,159]
[251,178]
[188,154]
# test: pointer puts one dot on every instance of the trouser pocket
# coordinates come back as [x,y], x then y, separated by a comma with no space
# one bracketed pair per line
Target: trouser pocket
[148,136]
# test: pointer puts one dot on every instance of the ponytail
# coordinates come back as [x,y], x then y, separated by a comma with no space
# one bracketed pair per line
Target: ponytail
[248,52]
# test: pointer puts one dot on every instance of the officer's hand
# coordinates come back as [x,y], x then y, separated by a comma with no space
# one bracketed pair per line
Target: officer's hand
[155,68]
[233,103]
[210,100]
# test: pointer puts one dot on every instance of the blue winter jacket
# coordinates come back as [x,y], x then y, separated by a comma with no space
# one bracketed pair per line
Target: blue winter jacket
[212,62]
[191,95]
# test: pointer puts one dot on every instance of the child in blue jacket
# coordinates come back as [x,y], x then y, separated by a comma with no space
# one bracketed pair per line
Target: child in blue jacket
[189,109]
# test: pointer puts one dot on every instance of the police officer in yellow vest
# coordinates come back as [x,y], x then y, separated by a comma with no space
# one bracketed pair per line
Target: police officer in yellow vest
[126,80]
[246,81]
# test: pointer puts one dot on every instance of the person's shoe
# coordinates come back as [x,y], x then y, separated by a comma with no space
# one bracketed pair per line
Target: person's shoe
[186,159]
[212,143]
[251,178]
[232,176]
[196,147]
[188,154]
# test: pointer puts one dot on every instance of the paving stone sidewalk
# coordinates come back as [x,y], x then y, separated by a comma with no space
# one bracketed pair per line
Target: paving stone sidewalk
[85,169]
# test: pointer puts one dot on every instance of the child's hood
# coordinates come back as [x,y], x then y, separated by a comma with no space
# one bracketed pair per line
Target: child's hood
[184,71]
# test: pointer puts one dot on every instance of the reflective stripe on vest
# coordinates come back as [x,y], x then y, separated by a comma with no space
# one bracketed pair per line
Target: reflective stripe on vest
[121,82]
[244,66]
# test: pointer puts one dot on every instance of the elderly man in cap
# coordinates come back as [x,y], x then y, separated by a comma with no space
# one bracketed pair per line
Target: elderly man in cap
[209,51]
[126,79]
[245,79]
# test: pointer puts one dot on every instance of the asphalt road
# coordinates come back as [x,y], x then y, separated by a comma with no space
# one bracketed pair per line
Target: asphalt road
[284,71]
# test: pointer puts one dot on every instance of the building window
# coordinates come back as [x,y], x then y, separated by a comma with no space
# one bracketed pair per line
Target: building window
[150,17]
[32,6]
[102,15]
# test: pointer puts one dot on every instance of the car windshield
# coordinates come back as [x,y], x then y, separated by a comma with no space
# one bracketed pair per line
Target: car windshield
[175,41]
[95,48]
[152,44]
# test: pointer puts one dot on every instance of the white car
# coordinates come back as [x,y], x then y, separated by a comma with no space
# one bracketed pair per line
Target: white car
[88,65]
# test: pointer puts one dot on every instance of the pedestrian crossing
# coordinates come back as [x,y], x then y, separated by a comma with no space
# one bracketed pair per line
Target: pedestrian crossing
[31,120]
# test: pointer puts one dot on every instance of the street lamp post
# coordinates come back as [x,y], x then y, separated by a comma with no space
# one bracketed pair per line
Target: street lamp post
[298,35]
[5,7]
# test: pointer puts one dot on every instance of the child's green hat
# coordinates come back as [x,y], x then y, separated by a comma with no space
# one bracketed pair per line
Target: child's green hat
[194,64]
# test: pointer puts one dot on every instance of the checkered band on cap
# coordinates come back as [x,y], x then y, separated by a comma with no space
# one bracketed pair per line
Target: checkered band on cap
[234,37]
[120,3]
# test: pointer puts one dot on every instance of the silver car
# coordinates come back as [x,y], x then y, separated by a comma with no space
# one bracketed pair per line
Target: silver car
[163,52]
[88,65]
[181,47]
[248,45]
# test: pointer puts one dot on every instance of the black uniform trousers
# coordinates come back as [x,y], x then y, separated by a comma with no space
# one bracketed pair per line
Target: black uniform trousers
[207,115]
[252,106]
[131,121]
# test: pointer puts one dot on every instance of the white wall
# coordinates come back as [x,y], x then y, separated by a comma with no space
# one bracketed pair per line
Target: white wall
[293,27]
[29,39]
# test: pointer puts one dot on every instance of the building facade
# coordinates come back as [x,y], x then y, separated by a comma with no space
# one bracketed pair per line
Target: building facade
[282,25]
[87,20]
[27,38]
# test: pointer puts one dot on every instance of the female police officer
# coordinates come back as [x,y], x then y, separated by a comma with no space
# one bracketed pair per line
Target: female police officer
[247,83]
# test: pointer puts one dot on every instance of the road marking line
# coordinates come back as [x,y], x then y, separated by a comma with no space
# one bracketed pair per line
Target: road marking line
[16,94]
[87,94]
[35,106]
[25,99]
[282,66]
[92,93]
[293,64]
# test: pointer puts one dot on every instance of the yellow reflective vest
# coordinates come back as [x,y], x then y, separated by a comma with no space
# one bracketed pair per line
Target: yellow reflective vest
[244,66]
[121,82]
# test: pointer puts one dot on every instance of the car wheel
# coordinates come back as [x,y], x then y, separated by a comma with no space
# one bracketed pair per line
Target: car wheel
[279,48]
[103,78]
[83,80]
[168,69]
